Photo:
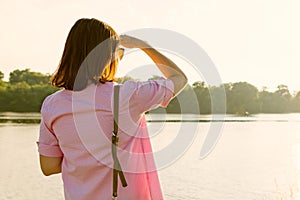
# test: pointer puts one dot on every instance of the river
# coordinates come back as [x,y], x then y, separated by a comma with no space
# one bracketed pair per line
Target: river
[256,157]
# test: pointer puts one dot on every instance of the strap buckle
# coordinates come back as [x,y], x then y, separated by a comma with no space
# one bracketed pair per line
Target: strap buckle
[114,138]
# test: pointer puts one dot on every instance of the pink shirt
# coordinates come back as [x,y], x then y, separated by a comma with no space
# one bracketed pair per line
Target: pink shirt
[78,126]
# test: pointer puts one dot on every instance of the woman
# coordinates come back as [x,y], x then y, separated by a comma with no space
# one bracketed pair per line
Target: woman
[77,121]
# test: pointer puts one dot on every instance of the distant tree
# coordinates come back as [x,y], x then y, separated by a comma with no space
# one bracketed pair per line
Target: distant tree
[272,102]
[3,84]
[180,104]
[297,95]
[3,94]
[1,76]
[17,98]
[295,103]
[154,77]
[264,88]
[283,91]
[283,98]
[31,78]
[2,91]
[266,102]
[203,96]
[218,96]
[188,101]
[242,98]
[22,97]
[123,79]
[199,84]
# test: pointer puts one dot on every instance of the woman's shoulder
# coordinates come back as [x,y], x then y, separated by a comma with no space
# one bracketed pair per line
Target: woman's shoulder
[129,84]
[52,99]
[137,83]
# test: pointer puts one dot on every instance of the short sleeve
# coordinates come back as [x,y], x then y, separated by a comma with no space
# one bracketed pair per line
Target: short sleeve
[48,144]
[151,94]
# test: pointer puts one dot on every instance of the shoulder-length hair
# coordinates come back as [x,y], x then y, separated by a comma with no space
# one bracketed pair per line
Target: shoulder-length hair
[89,56]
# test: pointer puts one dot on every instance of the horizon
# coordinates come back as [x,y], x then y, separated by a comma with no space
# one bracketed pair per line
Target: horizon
[139,76]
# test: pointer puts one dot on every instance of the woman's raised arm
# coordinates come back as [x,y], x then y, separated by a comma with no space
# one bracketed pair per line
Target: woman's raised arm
[168,68]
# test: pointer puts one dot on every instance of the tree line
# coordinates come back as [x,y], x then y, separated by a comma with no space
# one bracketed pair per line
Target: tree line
[25,91]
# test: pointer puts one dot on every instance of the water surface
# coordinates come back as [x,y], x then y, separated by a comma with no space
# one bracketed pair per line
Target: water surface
[257,157]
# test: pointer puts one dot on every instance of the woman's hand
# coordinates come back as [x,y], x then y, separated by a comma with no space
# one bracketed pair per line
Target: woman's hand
[132,42]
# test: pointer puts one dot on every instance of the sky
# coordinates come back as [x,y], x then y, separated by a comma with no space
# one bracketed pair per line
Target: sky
[257,41]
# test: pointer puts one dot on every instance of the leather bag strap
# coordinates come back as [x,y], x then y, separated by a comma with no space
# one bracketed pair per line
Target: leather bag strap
[117,171]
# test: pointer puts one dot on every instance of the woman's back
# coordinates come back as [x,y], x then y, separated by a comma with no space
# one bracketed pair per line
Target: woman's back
[78,126]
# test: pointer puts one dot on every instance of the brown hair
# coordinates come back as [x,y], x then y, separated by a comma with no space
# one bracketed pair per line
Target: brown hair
[89,55]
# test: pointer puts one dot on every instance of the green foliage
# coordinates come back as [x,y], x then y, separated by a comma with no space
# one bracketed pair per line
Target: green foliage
[217,99]
[1,76]
[26,91]
[154,77]
[242,97]
[123,79]
[203,97]
[2,83]
[185,102]
[31,78]
[295,103]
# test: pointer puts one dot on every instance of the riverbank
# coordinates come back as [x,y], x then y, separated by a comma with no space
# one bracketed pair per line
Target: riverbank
[34,118]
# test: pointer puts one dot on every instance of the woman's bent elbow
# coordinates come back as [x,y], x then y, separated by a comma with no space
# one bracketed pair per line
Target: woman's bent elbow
[48,172]
[179,83]
[50,165]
